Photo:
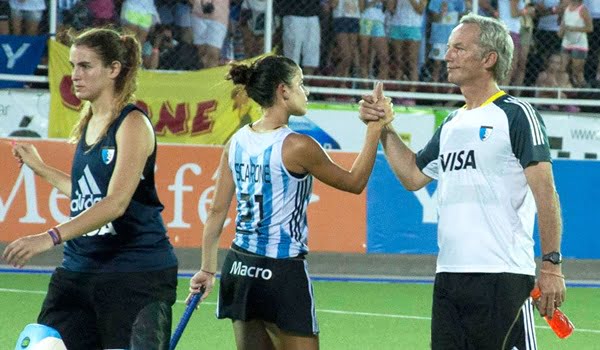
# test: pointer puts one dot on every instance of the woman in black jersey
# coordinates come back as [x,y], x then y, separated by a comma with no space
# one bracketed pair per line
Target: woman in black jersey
[118,278]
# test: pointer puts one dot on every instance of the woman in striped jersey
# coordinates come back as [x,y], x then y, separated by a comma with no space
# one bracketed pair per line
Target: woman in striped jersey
[265,288]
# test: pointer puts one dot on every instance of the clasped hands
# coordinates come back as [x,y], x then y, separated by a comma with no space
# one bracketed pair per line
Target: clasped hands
[376,107]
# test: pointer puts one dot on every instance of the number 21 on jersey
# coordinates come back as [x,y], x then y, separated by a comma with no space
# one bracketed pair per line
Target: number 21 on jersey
[249,205]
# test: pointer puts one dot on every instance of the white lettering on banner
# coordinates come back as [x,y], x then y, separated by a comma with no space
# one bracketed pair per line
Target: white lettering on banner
[32,216]
[13,57]
[583,134]
[429,204]
[578,135]
[238,268]
[57,215]
[205,201]
[178,188]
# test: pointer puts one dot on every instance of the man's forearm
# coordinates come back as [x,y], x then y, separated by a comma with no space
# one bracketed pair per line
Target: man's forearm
[400,158]
[549,223]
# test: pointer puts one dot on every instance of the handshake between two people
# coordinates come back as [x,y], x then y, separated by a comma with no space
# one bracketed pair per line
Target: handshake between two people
[376,107]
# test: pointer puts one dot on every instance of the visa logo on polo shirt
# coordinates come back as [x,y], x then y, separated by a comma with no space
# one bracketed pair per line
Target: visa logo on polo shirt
[458,160]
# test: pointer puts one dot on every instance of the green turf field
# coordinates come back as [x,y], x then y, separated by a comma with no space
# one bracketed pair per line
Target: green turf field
[351,316]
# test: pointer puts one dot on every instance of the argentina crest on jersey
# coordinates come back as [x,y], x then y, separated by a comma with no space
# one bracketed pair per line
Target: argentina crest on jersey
[108,153]
[485,132]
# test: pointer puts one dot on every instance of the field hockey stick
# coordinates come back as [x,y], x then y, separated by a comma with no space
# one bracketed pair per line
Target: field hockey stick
[189,309]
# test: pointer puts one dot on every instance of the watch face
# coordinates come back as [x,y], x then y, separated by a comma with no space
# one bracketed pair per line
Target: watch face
[553,257]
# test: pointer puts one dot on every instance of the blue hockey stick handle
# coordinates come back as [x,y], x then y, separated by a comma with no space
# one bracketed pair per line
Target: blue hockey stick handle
[189,309]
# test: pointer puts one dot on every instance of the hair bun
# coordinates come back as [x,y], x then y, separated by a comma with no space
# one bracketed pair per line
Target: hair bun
[240,74]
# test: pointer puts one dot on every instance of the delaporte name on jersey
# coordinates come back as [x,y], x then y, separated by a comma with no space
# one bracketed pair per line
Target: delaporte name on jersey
[458,160]
[252,172]
[238,268]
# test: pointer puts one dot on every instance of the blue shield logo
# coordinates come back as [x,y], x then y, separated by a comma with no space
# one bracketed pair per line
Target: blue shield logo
[108,153]
[485,132]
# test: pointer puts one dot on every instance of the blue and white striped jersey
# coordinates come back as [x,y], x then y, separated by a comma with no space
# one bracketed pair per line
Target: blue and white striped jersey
[271,202]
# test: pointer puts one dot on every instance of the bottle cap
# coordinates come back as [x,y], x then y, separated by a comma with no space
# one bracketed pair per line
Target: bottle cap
[536,293]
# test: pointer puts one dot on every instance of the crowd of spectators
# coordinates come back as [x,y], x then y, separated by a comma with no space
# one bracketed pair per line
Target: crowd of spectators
[385,39]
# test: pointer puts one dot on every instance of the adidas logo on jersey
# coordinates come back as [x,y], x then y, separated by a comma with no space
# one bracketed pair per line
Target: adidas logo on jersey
[87,193]
[458,160]
[238,268]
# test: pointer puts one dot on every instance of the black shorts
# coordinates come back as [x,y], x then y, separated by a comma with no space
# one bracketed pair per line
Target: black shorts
[480,311]
[99,310]
[273,290]
[346,25]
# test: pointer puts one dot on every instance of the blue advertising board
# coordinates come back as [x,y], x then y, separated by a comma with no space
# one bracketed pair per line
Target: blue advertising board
[400,221]
[306,126]
[578,186]
[397,222]
[20,54]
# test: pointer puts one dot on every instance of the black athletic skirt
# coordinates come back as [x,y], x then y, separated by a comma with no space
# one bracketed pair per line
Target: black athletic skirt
[273,290]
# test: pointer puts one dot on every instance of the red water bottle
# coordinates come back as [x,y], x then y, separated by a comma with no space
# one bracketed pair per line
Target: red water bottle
[559,322]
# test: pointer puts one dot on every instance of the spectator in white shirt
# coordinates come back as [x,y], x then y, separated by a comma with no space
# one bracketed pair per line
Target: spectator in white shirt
[28,12]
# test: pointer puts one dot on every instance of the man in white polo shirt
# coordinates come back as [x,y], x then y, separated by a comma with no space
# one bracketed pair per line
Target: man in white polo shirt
[492,162]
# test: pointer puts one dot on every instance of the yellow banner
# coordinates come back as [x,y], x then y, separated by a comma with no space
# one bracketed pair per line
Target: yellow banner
[199,107]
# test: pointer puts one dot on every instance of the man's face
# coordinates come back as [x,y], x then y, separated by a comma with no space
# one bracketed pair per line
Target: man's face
[464,56]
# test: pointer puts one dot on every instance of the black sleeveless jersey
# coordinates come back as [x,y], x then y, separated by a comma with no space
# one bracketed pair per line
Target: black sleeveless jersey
[136,241]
